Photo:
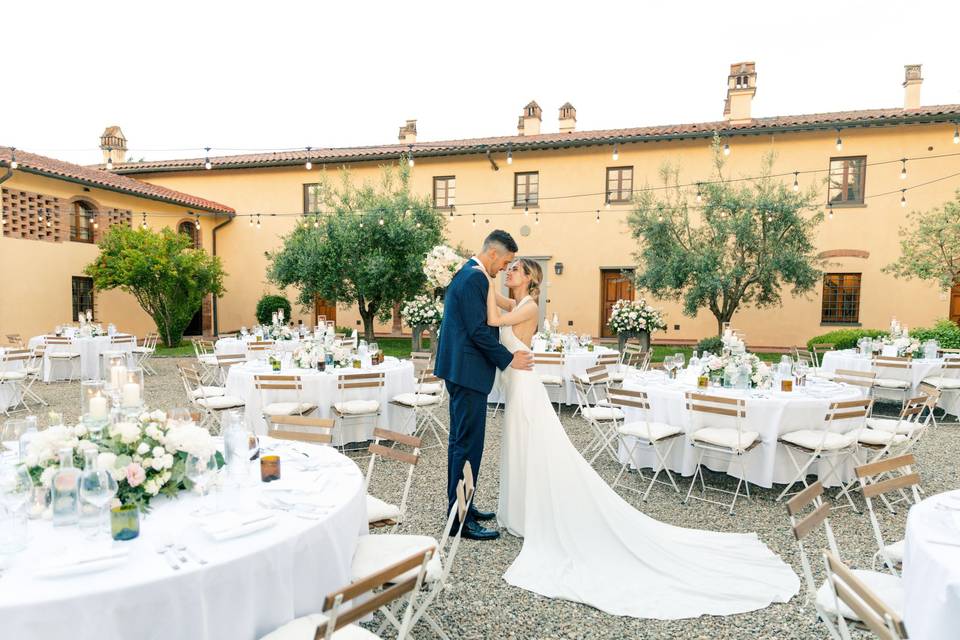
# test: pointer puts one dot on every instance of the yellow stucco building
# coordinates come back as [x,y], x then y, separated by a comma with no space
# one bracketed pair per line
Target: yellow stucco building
[565,197]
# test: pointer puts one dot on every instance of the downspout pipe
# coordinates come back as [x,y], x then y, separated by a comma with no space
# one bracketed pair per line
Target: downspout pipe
[216,317]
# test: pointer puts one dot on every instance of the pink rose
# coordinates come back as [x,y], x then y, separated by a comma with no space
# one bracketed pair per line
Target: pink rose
[135,474]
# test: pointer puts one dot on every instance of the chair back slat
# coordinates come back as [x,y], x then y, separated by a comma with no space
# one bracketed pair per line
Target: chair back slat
[608,359]
[393,454]
[395,436]
[804,498]
[891,484]
[628,398]
[873,612]
[305,428]
[810,522]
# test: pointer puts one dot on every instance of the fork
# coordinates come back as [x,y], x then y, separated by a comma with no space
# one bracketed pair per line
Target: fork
[162,550]
[185,550]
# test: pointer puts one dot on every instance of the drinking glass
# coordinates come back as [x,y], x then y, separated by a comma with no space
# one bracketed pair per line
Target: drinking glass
[179,417]
[200,471]
[16,486]
[668,364]
[679,358]
[97,487]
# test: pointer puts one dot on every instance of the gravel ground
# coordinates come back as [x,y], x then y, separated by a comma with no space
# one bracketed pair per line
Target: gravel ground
[481,605]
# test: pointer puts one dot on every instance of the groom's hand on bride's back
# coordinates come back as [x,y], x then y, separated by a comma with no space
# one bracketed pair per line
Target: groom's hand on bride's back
[522,360]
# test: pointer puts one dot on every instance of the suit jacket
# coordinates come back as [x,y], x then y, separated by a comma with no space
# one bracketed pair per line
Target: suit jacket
[469,351]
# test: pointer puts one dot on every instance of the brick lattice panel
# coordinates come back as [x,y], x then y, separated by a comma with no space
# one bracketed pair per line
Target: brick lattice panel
[119,216]
[21,210]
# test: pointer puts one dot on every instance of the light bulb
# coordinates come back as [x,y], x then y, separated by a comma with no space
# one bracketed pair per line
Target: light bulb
[598,216]
[474,219]
[251,222]
[903,169]
[699,194]
[96,225]
[206,163]
[726,149]
[903,198]
[418,225]
[308,166]
[616,152]
[538,218]
[410,156]
[109,164]
[606,205]
[316,222]
[796,181]
[956,136]
[361,224]
[510,153]
[526,210]
[839,142]
[14,164]
[198,222]
[830,214]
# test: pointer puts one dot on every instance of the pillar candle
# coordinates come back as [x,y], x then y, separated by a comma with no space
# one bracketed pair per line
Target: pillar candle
[131,394]
[118,374]
[98,407]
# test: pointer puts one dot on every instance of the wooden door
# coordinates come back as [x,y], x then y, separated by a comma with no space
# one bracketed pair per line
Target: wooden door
[955,304]
[323,308]
[614,285]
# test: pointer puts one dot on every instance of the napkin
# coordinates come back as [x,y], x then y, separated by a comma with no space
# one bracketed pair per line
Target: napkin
[81,562]
[231,524]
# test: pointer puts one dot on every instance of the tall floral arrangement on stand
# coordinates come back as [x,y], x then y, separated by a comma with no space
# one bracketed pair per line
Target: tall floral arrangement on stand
[422,313]
[635,319]
[440,265]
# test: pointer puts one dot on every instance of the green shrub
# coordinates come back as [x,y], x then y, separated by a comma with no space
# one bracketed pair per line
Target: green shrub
[845,338]
[713,344]
[945,332]
[268,304]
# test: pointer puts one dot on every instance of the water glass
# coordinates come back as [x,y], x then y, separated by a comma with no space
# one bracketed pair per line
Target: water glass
[97,488]
[16,486]
[200,471]
[125,522]
[679,358]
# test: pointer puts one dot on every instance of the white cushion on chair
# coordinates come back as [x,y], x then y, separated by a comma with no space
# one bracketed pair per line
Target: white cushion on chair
[811,439]
[892,425]
[142,350]
[887,587]
[208,392]
[221,402]
[378,510]
[305,628]
[942,382]
[894,551]
[429,387]
[208,358]
[376,552]
[725,437]
[891,383]
[658,430]
[357,406]
[287,408]
[12,375]
[875,437]
[416,399]
[602,413]
[547,378]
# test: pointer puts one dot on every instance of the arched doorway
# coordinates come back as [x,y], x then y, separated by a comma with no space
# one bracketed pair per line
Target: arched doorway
[189,228]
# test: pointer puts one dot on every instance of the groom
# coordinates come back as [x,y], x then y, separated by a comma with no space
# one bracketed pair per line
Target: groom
[467,356]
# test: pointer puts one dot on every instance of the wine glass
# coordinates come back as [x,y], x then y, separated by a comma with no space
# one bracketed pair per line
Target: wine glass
[16,486]
[200,471]
[679,358]
[668,364]
[97,487]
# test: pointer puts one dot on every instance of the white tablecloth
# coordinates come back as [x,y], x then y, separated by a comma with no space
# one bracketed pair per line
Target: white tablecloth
[250,586]
[574,363]
[231,346]
[931,571]
[8,397]
[851,360]
[321,389]
[770,416]
[89,349]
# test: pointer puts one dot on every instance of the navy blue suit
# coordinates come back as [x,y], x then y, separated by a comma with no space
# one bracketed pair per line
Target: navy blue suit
[467,358]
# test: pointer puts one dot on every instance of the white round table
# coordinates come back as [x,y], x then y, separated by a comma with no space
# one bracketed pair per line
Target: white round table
[250,586]
[321,389]
[89,349]
[574,363]
[851,360]
[931,568]
[770,413]
[233,346]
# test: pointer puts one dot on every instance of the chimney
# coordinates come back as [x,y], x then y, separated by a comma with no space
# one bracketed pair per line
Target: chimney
[529,124]
[911,86]
[741,87]
[568,118]
[114,145]
[408,132]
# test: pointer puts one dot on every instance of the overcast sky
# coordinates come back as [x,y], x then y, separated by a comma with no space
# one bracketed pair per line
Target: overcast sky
[255,75]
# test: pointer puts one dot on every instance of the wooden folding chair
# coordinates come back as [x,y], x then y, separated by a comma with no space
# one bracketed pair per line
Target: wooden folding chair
[210,406]
[720,441]
[883,479]
[871,610]
[947,381]
[62,350]
[271,385]
[547,366]
[301,428]
[379,512]
[902,385]
[347,408]
[13,378]
[421,407]
[644,433]
[421,360]
[224,363]
[818,349]
[602,418]
[395,581]
[862,379]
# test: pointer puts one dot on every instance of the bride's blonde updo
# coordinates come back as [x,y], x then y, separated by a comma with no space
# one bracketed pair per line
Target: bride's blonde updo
[532,269]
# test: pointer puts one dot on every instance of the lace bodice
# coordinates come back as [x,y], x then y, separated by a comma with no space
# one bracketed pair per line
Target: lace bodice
[508,338]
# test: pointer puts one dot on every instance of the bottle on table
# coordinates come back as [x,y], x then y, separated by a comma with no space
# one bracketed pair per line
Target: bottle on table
[65,491]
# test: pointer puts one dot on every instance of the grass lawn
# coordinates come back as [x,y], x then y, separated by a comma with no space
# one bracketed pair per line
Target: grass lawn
[185,349]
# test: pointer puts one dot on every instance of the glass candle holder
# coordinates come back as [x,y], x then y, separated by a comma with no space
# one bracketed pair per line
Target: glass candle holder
[269,468]
[114,370]
[94,401]
[131,392]
[125,522]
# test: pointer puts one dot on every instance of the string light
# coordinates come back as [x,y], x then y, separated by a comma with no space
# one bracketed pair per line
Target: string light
[109,158]
[474,219]
[538,218]
[796,181]
[598,216]
[487,221]
[14,164]
[308,165]
[699,194]
[510,153]
[380,222]
[258,221]
[39,217]
[526,210]
[316,221]
[251,222]
[903,169]
[616,152]
[361,223]
[206,161]
[197,221]
[96,224]
[839,141]
[830,211]
[726,148]
[418,225]
[410,156]
[903,198]
[143,225]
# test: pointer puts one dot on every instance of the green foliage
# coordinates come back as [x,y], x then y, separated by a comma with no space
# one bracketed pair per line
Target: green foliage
[270,303]
[167,276]
[945,332]
[845,338]
[713,344]
[368,252]
[749,240]
[928,245]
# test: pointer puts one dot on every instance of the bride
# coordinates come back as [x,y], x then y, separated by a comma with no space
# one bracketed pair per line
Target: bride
[582,541]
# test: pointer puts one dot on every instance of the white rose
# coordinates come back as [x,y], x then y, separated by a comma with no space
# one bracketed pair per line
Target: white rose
[106,460]
[147,463]
[158,451]
[143,449]
[157,463]
[86,445]
[167,463]
[151,488]
[80,431]
[129,432]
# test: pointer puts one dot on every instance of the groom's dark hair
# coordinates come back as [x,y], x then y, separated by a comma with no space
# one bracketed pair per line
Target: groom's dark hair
[501,238]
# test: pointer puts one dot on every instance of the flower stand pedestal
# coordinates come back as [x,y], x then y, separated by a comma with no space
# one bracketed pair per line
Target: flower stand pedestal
[643,337]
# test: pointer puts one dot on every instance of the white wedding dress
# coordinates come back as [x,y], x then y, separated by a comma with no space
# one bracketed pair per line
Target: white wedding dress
[583,542]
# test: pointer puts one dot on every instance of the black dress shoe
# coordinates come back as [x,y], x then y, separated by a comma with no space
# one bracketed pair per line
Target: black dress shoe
[482,516]
[473,531]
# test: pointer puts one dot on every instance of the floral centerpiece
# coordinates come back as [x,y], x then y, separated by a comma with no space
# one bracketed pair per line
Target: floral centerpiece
[146,457]
[440,265]
[279,332]
[759,373]
[309,355]
[635,318]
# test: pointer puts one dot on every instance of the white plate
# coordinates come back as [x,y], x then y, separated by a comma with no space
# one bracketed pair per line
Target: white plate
[82,565]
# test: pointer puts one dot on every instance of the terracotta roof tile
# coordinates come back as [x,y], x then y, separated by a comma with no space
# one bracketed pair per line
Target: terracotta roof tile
[823,121]
[93,177]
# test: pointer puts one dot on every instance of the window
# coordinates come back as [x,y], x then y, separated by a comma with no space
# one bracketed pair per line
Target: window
[313,196]
[81,222]
[841,298]
[619,184]
[82,294]
[444,192]
[189,228]
[526,189]
[847,176]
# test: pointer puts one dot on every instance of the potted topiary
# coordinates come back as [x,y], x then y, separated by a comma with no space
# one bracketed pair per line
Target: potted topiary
[268,305]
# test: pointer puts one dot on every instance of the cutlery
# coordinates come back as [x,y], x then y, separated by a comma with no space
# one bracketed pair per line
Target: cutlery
[184,549]
[162,550]
[175,552]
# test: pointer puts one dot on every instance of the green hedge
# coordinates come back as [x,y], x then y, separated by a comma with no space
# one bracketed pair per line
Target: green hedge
[944,332]
[268,304]
[713,344]
[845,338]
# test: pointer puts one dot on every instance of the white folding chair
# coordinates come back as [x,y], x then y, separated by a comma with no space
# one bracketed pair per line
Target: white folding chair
[947,380]
[883,479]
[603,419]
[379,512]
[713,437]
[894,377]
[807,512]
[348,408]
[615,370]
[223,364]
[210,406]
[817,349]
[272,386]
[832,444]
[62,351]
[658,437]
[871,609]
[143,353]
[13,378]
[420,407]
[34,371]
[205,352]
[862,379]
[549,368]
[301,429]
